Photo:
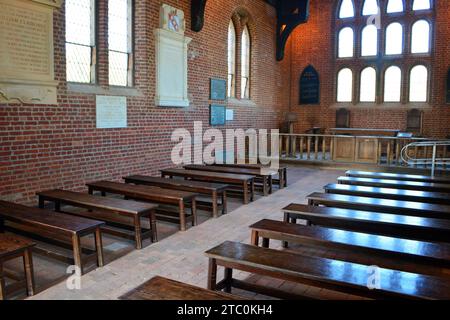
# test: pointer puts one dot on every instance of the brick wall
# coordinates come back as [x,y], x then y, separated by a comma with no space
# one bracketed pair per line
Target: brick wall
[314,43]
[59,146]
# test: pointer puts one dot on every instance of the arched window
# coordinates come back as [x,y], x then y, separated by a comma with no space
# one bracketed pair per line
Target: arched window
[420,37]
[394,39]
[345,85]
[395,6]
[231,60]
[245,64]
[347,10]
[393,84]
[346,43]
[418,84]
[368,85]
[421,5]
[370,7]
[369,39]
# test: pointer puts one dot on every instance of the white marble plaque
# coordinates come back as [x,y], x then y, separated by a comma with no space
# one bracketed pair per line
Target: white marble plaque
[111,112]
[230,115]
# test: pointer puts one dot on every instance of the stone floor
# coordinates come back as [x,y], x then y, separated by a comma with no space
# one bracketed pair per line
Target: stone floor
[180,255]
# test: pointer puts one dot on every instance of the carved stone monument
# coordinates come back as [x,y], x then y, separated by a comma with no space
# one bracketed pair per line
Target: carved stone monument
[171,59]
[26,51]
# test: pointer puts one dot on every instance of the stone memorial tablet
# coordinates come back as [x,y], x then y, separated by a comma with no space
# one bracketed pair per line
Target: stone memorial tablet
[217,115]
[111,112]
[218,89]
[309,86]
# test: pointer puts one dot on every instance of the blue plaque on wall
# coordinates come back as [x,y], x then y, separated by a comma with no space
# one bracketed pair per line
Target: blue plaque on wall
[448,86]
[218,89]
[217,115]
[309,86]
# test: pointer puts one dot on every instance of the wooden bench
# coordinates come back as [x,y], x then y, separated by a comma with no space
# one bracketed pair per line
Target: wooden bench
[214,190]
[265,174]
[396,184]
[179,199]
[247,182]
[388,252]
[386,224]
[387,193]
[159,288]
[418,209]
[324,273]
[282,180]
[112,211]
[12,247]
[55,229]
[397,176]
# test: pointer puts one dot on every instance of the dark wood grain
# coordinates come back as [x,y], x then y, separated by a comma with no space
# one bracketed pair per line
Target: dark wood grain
[397,176]
[324,273]
[396,184]
[389,193]
[419,209]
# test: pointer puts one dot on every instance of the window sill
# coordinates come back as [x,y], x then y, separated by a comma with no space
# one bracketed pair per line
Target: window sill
[98,90]
[241,102]
[381,106]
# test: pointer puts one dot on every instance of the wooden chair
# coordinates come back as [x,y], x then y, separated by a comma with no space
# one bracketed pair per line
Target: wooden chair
[343,118]
[414,121]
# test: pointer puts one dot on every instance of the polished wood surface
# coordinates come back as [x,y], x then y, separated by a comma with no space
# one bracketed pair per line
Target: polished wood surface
[246,181]
[396,184]
[387,193]
[177,198]
[159,288]
[397,176]
[214,190]
[365,132]
[12,247]
[394,225]
[389,252]
[324,273]
[419,209]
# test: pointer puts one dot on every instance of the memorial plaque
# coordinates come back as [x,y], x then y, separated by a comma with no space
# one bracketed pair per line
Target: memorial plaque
[309,86]
[230,115]
[218,89]
[111,112]
[448,86]
[217,115]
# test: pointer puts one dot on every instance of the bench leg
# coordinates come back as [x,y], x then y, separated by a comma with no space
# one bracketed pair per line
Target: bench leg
[252,190]
[194,212]
[212,274]
[285,182]
[265,242]
[77,252]
[265,185]
[245,187]
[2,225]
[228,276]
[2,283]
[224,203]
[270,185]
[215,205]
[138,232]
[99,247]
[182,216]
[255,238]
[29,272]
[286,219]
[152,219]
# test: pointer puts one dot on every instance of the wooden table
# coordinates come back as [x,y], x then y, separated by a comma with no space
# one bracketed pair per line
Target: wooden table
[396,184]
[177,198]
[394,225]
[247,182]
[12,247]
[159,288]
[55,229]
[264,174]
[214,190]
[329,274]
[118,208]
[397,176]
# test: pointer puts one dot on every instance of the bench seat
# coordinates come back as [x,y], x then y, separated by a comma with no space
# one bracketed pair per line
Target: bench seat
[397,176]
[396,184]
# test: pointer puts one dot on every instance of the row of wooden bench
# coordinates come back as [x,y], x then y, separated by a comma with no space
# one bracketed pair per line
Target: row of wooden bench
[412,253]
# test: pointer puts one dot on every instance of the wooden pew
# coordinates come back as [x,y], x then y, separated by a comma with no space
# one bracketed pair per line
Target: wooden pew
[318,272]
[116,212]
[282,180]
[397,176]
[55,229]
[387,193]
[214,190]
[418,209]
[179,199]
[396,184]
[265,174]
[246,182]
[12,247]
[388,252]
[159,288]
[386,224]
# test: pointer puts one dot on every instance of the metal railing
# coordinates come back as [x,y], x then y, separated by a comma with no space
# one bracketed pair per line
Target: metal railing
[438,156]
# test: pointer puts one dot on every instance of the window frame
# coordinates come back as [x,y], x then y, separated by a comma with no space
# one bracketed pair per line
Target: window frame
[428,94]
[246,95]
[231,86]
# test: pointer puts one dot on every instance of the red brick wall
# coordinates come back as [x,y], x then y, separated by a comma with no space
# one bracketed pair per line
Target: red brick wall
[59,146]
[314,43]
